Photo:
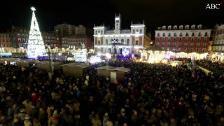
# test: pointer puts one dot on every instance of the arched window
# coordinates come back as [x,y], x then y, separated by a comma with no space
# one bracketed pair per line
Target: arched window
[164,34]
[122,41]
[199,34]
[206,34]
[175,27]
[134,31]
[192,34]
[169,34]
[128,41]
[158,35]
[187,35]
[175,35]
[180,34]
[140,31]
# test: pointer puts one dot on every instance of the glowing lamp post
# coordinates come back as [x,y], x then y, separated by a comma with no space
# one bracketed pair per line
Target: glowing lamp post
[50,61]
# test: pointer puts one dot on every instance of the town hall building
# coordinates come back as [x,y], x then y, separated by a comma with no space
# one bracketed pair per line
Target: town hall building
[117,41]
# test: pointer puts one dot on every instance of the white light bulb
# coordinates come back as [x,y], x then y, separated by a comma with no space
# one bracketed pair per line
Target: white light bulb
[33,8]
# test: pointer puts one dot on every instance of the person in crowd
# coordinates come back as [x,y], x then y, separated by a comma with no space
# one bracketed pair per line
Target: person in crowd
[149,95]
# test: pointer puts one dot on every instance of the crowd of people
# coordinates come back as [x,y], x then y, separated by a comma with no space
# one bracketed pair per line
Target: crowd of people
[216,67]
[149,95]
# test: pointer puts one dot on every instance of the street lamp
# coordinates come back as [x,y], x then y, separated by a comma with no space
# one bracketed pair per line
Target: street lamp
[50,61]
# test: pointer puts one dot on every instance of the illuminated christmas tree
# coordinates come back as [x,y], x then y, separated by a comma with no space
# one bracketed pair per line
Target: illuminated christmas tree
[35,45]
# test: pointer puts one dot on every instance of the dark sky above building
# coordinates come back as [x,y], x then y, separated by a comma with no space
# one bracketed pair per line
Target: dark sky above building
[89,12]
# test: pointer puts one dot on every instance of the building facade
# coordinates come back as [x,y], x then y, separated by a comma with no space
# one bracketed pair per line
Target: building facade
[118,41]
[71,36]
[51,39]
[183,38]
[76,41]
[147,41]
[64,30]
[80,30]
[5,40]
[19,37]
[218,39]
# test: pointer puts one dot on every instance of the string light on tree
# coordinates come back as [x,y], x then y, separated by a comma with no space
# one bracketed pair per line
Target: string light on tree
[35,46]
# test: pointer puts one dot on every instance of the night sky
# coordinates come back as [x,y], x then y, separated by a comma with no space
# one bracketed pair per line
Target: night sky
[89,12]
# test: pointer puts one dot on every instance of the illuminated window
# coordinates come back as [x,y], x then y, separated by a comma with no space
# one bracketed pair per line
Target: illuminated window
[128,41]
[140,31]
[122,41]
